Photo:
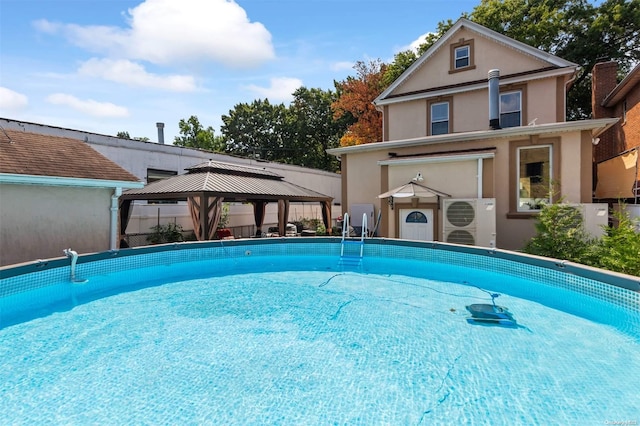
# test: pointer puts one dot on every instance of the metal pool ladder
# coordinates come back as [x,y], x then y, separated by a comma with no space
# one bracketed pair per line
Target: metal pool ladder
[347,241]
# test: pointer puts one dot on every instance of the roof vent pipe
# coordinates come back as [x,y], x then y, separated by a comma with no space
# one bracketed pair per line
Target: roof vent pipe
[494,99]
[160,127]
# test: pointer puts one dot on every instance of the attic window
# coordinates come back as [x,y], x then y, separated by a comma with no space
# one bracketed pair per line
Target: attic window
[462,56]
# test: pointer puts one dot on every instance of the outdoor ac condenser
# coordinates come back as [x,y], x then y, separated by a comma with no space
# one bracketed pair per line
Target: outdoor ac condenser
[470,221]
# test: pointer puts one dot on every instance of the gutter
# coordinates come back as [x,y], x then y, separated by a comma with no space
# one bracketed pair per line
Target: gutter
[599,125]
[67,181]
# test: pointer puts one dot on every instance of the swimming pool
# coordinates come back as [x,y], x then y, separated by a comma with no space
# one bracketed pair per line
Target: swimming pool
[276,331]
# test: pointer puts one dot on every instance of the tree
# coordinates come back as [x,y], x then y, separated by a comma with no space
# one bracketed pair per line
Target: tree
[314,128]
[125,135]
[194,135]
[259,129]
[355,102]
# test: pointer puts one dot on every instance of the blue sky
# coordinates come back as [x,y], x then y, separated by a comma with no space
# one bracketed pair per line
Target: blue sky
[118,65]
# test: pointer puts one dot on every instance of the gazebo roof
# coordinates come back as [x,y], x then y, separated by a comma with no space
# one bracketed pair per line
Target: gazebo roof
[232,181]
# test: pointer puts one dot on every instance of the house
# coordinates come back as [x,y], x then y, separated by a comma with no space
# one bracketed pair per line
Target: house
[616,154]
[151,161]
[477,127]
[56,193]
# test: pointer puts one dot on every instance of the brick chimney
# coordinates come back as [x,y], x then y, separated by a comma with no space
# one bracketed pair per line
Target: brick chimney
[603,81]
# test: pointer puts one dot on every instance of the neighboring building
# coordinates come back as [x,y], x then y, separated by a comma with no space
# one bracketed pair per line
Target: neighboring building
[56,193]
[616,154]
[492,151]
[150,161]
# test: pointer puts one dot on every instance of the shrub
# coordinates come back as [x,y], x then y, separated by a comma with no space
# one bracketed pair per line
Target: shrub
[169,233]
[619,249]
[560,234]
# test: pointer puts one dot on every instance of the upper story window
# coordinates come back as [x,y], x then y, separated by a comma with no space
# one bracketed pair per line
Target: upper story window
[534,171]
[461,56]
[511,109]
[624,111]
[440,118]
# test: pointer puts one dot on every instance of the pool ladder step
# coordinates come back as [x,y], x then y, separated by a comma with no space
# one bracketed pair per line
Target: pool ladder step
[350,258]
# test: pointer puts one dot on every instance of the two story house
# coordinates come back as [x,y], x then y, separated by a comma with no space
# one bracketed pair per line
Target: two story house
[474,143]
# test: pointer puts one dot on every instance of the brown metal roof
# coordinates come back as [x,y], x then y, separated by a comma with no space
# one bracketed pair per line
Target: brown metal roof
[26,153]
[232,169]
[233,182]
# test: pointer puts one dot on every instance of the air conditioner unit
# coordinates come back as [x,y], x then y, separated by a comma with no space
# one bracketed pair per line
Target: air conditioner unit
[470,221]
[595,216]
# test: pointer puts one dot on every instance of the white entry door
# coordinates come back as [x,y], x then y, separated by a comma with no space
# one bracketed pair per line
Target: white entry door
[416,224]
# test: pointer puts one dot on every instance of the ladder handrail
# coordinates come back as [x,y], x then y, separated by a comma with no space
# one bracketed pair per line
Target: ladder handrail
[345,232]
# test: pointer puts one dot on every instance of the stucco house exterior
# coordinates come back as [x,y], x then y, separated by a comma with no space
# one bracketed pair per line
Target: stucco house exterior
[56,193]
[479,119]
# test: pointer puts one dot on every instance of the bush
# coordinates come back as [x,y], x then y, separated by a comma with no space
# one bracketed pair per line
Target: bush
[169,233]
[561,235]
[619,248]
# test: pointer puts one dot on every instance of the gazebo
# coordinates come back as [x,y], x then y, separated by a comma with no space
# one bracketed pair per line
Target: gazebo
[205,186]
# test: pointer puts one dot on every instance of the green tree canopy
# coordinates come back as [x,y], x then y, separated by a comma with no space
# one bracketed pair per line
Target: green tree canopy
[314,128]
[259,130]
[194,135]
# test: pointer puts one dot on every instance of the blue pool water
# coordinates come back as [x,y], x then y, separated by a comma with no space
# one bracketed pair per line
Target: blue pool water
[302,340]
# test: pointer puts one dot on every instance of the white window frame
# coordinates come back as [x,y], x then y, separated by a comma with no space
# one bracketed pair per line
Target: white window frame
[519,110]
[529,204]
[467,56]
[432,121]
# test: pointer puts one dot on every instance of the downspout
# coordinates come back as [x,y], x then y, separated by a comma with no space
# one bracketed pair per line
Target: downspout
[479,180]
[114,231]
[567,86]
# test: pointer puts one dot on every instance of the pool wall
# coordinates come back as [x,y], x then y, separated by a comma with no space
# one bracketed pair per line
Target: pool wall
[29,287]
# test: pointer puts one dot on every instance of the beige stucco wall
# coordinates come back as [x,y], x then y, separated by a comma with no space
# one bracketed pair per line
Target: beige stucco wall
[407,120]
[488,55]
[364,180]
[539,106]
[364,177]
[470,110]
[38,222]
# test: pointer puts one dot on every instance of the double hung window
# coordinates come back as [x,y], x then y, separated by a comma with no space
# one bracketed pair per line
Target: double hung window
[440,118]
[511,109]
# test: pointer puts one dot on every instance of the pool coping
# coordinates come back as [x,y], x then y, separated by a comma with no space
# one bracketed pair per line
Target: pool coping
[628,282]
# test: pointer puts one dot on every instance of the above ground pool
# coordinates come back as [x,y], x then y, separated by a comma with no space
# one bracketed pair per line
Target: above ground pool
[303,331]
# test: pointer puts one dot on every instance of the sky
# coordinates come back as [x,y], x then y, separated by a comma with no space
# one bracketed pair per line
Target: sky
[106,66]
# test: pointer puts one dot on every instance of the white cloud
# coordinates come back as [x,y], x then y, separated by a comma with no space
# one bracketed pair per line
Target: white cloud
[341,66]
[11,100]
[133,74]
[415,43]
[169,31]
[89,106]
[280,90]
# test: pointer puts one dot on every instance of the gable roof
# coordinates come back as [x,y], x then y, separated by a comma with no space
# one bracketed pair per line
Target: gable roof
[231,181]
[620,91]
[553,61]
[33,154]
